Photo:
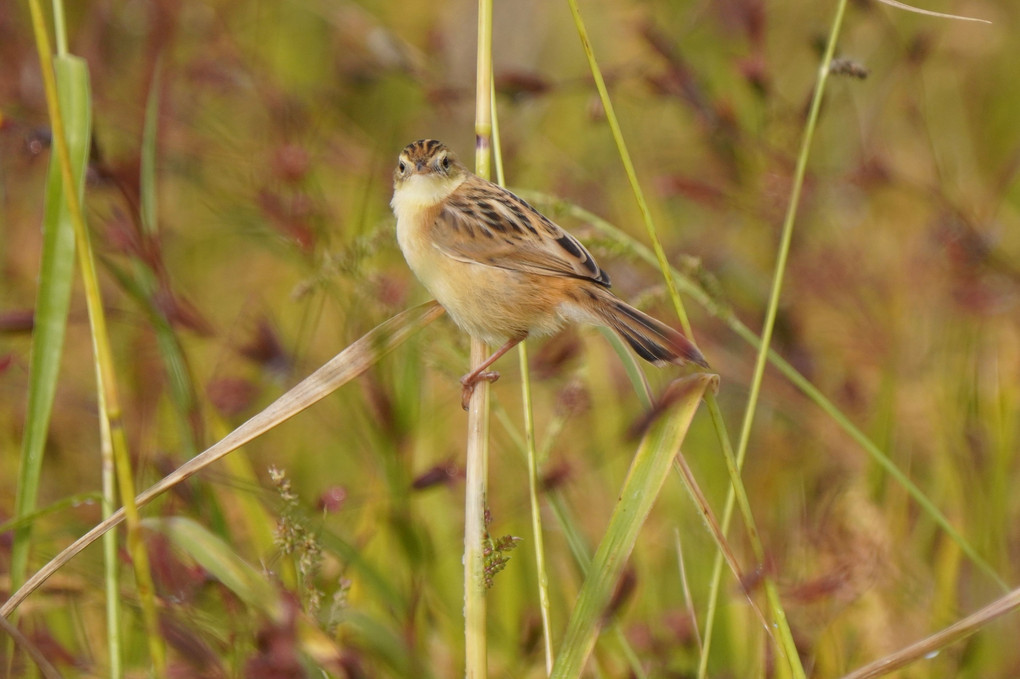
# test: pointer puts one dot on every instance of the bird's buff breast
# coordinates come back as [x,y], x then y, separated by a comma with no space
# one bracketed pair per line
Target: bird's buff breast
[490,303]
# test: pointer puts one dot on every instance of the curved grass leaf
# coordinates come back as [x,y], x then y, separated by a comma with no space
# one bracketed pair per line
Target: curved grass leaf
[640,489]
[339,370]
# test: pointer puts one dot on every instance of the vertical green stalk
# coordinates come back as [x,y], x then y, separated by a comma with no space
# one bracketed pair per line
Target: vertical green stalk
[773,306]
[111,559]
[483,90]
[476,467]
[53,299]
[497,151]
[105,375]
[59,28]
[536,507]
[684,582]
[529,435]
[628,166]
[787,234]
[785,636]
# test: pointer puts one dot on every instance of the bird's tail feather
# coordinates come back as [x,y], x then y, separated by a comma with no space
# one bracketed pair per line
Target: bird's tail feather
[650,339]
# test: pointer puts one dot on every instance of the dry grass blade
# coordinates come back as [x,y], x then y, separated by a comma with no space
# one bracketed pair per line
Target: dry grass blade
[685,583]
[341,369]
[708,516]
[941,15]
[958,630]
[42,664]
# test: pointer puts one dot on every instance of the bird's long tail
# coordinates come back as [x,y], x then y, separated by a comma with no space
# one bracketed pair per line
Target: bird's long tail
[652,340]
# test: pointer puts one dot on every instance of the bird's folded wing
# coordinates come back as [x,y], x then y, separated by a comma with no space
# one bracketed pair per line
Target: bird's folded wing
[506,232]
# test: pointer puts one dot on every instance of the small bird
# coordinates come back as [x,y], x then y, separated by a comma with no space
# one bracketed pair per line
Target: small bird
[502,270]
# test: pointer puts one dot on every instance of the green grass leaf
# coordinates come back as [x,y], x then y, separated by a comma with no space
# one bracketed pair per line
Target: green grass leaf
[640,489]
[56,275]
[220,560]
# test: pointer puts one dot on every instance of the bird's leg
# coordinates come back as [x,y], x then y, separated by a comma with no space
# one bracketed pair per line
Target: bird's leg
[480,373]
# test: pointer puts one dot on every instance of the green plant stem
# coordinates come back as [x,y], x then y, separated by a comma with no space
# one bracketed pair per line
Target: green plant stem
[59,28]
[688,599]
[787,236]
[105,374]
[541,572]
[475,482]
[779,615]
[536,508]
[53,300]
[111,560]
[497,151]
[628,166]
[773,306]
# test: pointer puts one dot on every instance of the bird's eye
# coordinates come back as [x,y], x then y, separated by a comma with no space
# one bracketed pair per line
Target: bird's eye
[401,167]
[446,162]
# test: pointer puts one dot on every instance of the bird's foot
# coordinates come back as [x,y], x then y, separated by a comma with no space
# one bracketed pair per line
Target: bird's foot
[470,380]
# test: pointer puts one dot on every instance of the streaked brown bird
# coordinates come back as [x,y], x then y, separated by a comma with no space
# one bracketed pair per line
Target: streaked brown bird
[502,270]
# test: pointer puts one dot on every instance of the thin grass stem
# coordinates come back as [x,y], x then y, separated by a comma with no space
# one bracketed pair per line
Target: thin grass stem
[475,486]
[111,567]
[688,599]
[59,28]
[541,572]
[772,309]
[628,166]
[579,548]
[105,373]
[536,508]
[664,267]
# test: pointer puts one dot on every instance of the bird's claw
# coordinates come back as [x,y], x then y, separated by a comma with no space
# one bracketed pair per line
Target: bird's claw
[469,381]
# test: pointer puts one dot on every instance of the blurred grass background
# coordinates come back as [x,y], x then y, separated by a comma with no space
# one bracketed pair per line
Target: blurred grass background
[278,124]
